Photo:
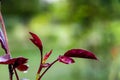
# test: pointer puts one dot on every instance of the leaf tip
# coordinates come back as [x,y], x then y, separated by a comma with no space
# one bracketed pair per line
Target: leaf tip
[37,41]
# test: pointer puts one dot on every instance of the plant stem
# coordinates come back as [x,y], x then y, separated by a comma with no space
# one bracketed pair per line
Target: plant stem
[40,67]
[7,46]
[10,71]
[47,69]
[4,32]
[16,74]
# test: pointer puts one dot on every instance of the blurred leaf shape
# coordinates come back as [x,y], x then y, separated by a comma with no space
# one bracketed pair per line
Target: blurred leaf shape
[18,63]
[66,60]
[80,53]
[36,40]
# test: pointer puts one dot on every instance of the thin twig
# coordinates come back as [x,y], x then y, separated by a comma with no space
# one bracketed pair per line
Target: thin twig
[17,78]
[47,69]
[10,71]
[40,67]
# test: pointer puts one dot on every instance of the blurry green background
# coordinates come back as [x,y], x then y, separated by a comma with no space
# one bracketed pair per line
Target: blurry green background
[62,25]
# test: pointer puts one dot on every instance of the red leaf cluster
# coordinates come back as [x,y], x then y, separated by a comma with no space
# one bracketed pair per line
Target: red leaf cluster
[67,57]
[76,53]
[18,63]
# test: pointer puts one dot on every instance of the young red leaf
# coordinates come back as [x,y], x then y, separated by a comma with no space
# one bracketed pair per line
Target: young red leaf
[19,61]
[22,67]
[20,64]
[36,40]
[16,61]
[66,60]
[45,65]
[46,56]
[2,41]
[80,53]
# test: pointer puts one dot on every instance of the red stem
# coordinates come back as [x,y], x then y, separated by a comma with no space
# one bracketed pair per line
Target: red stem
[47,69]
[10,71]
[17,78]
[40,67]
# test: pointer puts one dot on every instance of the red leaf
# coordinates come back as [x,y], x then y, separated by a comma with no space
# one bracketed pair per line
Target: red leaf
[66,60]
[36,40]
[80,53]
[22,67]
[10,61]
[45,65]
[19,61]
[14,61]
[46,56]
